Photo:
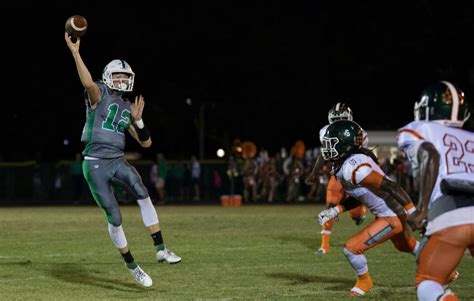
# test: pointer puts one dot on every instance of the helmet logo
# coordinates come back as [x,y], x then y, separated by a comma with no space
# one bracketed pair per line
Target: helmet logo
[347,133]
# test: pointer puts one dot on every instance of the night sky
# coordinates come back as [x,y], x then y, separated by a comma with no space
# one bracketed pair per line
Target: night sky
[266,72]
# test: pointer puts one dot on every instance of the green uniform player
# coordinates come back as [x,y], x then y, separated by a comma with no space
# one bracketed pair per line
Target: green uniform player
[108,116]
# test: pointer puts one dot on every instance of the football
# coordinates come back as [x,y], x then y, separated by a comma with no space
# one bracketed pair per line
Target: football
[76,26]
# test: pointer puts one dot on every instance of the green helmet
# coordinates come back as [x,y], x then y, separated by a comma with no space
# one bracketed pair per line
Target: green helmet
[340,139]
[442,102]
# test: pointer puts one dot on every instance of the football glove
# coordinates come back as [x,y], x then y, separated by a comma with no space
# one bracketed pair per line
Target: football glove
[327,214]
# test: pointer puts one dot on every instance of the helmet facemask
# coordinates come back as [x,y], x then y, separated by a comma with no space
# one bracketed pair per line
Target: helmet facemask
[341,139]
[421,109]
[339,112]
[443,103]
[328,148]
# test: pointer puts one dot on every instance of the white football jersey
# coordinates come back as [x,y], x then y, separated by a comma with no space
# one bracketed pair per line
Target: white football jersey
[322,131]
[454,145]
[353,171]
[456,149]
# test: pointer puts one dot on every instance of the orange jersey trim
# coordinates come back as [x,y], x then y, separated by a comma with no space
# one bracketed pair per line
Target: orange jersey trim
[374,179]
[409,208]
[412,132]
[355,170]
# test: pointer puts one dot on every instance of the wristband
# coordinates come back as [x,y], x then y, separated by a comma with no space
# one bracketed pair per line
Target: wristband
[409,208]
[143,133]
[139,123]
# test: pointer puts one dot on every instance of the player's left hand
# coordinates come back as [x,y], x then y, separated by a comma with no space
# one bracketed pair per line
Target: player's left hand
[137,107]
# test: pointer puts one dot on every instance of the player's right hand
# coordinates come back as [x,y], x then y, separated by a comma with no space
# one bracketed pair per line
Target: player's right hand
[326,215]
[73,46]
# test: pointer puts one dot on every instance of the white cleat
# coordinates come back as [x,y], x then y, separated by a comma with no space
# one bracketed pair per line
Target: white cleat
[141,277]
[448,295]
[168,256]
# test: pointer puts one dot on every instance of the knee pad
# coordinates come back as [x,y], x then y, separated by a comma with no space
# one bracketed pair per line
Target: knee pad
[148,212]
[358,262]
[429,290]
[118,236]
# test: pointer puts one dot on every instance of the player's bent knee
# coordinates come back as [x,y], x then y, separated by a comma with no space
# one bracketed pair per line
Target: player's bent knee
[424,277]
[354,248]
[114,218]
[140,191]
[404,247]
[116,222]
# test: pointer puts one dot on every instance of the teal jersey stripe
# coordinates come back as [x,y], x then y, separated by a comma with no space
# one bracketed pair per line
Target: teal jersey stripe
[89,127]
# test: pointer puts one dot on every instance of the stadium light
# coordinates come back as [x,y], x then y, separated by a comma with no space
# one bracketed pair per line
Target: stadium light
[220,153]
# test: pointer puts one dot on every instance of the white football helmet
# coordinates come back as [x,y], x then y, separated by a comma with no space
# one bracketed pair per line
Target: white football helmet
[118,66]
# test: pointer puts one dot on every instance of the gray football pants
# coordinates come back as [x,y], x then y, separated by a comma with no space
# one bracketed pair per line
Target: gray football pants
[101,173]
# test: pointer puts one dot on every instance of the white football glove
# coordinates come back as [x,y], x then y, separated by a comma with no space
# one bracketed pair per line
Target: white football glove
[327,214]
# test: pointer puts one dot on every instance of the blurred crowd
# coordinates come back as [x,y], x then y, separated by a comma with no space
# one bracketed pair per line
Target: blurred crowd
[281,176]
[257,176]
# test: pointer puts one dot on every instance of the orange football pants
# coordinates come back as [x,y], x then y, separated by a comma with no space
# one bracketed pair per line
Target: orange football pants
[380,230]
[443,252]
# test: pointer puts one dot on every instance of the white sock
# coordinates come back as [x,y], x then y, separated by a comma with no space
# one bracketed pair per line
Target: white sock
[118,236]
[429,290]
[358,262]
[148,212]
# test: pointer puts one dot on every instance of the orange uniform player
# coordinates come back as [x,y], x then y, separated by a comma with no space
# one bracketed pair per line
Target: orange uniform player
[335,192]
[364,181]
[442,158]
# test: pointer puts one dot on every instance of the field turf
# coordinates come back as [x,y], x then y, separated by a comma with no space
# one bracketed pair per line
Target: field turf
[253,252]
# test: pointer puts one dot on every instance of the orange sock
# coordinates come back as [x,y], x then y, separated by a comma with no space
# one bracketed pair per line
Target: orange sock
[325,241]
[363,285]
[326,235]
[364,276]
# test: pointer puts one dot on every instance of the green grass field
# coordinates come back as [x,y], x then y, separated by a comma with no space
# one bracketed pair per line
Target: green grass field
[229,253]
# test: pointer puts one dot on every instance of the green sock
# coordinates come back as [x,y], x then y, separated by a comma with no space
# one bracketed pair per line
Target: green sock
[160,247]
[129,261]
[132,265]
[158,241]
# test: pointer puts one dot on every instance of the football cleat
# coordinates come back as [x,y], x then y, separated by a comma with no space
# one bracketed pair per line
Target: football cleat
[323,250]
[453,276]
[141,277]
[358,221]
[448,296]
[168,256]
